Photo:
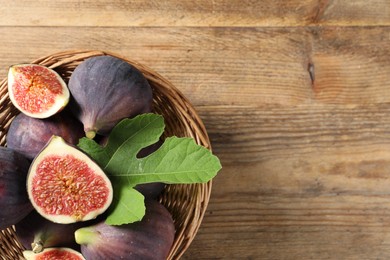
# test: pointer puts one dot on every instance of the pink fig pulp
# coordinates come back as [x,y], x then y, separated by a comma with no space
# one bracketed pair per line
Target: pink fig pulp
[55,253]
[36,90]
[66,186]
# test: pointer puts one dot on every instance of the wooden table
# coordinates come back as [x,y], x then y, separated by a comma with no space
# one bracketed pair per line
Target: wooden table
[295,95]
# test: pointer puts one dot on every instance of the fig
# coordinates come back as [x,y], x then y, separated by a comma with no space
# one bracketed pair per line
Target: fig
[54,253]
[36,90]
[151,190]
[36,233]
[66,186]
[14,202]
[105,90]
[150,238]
[29,135]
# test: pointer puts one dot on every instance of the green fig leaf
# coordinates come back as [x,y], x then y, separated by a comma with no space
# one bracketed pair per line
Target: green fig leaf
[128,206]
[178,161]
[94,150]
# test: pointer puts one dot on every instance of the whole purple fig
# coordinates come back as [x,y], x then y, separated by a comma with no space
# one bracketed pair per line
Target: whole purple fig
[105,90]
[14,201]
[151,238]
[36,233]
[29,135]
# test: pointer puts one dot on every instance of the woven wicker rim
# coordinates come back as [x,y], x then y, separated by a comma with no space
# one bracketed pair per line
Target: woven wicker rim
[187,203]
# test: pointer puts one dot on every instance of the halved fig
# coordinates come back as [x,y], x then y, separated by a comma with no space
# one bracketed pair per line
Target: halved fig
[36,90]
[66,186]
[54,253]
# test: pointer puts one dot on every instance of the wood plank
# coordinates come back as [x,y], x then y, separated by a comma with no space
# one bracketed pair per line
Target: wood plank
[302,182]
[235,66]
[256,134]
[234,13]
[350,65]
[272,66]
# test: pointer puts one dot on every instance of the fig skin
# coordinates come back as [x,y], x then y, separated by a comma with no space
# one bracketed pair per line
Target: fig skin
[105,90]
[14,202]
[151,190]
[151,238]
[36,233]
[29,135]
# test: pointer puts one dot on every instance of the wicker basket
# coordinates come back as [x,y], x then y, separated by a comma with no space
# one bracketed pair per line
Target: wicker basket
[187,203]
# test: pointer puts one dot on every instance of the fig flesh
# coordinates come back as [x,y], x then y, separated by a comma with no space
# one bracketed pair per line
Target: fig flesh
[37,233]
[54,253]
[150,238]
[66,186]
[36,90]
[29,135]
[106,89]
[14,202]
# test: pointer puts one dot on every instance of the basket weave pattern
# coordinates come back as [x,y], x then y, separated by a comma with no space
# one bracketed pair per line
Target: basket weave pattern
[187,203]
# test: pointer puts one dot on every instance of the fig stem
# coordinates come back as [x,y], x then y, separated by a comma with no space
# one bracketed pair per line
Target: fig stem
[86,235]
[90,134]
[37,246]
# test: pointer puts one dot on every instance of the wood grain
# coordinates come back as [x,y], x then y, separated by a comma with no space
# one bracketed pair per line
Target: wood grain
[235,66]
[295,97]
[257,134]
[233,13]
[303,182]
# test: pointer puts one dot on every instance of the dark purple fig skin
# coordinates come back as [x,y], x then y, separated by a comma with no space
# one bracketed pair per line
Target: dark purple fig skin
[35,228]
[29,135]
[105,90]
[150,190]
[14,201]
[151,238]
